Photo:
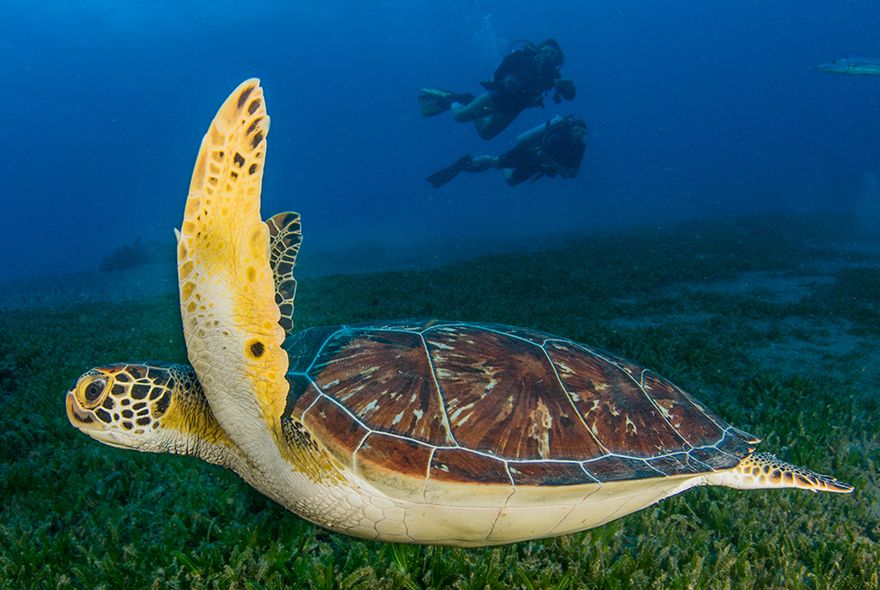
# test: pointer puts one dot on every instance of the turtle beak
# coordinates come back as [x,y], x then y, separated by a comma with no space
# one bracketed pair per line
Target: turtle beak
[80,418]
[86,422]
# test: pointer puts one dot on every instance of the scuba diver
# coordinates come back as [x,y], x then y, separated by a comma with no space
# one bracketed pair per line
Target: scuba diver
[519,82]
[550,149]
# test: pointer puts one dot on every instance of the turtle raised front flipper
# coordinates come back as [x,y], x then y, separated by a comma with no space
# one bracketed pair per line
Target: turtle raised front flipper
[227,289]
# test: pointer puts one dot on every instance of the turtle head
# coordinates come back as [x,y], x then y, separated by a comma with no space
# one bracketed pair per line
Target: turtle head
[134,406]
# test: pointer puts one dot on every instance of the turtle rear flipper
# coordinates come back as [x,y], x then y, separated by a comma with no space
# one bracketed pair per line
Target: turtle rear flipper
[765,470]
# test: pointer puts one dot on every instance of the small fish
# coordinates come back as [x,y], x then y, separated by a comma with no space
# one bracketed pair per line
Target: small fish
[852,66]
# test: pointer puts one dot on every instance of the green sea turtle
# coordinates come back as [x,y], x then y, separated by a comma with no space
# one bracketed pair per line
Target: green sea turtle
[411,431]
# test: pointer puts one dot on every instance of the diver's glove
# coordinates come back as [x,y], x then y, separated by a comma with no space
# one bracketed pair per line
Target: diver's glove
[564,89]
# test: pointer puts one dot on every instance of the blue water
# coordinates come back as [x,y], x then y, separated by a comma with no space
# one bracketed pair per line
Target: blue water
[695,109]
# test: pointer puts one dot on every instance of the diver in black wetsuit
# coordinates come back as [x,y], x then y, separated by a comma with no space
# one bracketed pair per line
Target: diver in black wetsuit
[553,148]
[520,82]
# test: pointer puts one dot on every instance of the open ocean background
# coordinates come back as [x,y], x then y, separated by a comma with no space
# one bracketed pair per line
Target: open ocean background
[696,110]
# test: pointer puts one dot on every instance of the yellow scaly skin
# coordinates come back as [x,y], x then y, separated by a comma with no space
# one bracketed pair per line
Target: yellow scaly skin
[226,285]
[231,319]
[766,471]
[150,408]
[153,409]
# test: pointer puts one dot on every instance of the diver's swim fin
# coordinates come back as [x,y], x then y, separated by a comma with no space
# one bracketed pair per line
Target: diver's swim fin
[445,175]
[433,101]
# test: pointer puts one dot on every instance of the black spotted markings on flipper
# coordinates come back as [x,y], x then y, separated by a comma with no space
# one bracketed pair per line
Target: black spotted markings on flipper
[227,288]
[765,470]
[285,237]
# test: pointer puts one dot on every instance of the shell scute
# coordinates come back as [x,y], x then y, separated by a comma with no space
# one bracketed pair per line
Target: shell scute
[715,459]
[503,397]
[614,468]
[301,395]
[385,379]
[331,425]
[417,326]
[732,444]
[534,337]
[548,473]
[690,421]
[386,453]
[618,412]
[303,346]
[463,466]
[677,464]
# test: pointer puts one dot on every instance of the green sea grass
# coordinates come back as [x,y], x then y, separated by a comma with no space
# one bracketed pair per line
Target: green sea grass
[795,370]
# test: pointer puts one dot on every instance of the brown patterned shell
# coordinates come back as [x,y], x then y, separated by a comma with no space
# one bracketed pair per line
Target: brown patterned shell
[479,403]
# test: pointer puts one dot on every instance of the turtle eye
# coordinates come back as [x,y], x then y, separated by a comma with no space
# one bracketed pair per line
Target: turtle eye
[94,390]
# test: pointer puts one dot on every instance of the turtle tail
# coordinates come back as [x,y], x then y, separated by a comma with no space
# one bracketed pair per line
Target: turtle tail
[764,470]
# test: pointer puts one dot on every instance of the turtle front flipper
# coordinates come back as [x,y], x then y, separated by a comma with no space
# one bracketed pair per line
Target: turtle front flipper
[227,289]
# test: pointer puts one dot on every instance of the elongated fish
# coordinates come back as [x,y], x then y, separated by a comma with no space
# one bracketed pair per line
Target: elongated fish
[853,66]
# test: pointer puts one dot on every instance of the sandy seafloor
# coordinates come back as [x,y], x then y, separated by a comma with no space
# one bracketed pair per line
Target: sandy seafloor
[772,322]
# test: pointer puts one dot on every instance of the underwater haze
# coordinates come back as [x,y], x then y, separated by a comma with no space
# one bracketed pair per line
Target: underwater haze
[695,110]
